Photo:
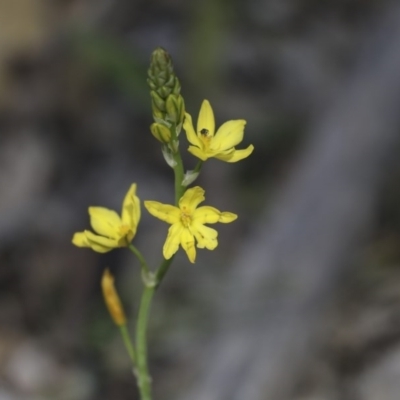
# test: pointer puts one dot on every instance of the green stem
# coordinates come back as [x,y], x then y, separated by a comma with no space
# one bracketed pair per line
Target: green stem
[178,171]
[140,257]
[128,344]
[162,270]
[143,377]
[198,166]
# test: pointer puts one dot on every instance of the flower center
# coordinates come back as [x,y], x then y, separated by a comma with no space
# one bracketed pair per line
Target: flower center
[125,235]
[205,138]
[186,217]
[124,230]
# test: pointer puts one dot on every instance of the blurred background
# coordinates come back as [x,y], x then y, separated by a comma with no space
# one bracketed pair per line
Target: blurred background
[74,131]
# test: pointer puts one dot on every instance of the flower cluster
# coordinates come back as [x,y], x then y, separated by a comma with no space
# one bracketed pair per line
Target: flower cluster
[187,224]
[187,221]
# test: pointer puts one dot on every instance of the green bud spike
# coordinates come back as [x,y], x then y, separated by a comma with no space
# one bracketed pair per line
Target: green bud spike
[162,81]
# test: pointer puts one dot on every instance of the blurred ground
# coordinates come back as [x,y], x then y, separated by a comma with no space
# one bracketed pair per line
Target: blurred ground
[74,118]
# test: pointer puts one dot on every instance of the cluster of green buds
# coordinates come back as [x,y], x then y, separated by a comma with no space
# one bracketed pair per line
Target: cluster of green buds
[168,105]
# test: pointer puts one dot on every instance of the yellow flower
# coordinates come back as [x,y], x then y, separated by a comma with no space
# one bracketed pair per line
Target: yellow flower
[112,230]
[112,299]
[221,145]
[187,223]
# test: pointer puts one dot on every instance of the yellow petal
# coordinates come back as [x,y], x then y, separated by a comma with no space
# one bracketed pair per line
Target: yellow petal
[226,154]
[80,240]
[171,244]
[228,135]
[104,221]
[100,244]
[206,120]
[206,215]
[187,243]
[131,209]
[191,199]
[227,217]
[165,212]
[198,152]
[206,237]
[235,156]
[190,133]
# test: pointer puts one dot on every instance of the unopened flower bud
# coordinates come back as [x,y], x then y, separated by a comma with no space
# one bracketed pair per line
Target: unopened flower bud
[158,101]
[112,299]
[160,132]
[175,106]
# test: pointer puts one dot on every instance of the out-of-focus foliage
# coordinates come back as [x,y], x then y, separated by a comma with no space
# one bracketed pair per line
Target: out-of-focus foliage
[23,29]
[108,59]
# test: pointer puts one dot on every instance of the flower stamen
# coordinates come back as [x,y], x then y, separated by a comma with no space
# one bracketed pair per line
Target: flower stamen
[186,219]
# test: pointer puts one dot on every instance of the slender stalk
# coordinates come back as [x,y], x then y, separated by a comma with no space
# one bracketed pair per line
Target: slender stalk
[128,344]
[198,166]
[178,171]
[140,257]
[162,270]
[143,377]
